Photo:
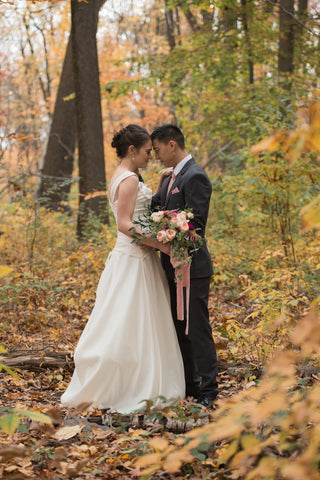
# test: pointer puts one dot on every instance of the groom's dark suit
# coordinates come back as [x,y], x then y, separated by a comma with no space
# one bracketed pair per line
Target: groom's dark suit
[192,189]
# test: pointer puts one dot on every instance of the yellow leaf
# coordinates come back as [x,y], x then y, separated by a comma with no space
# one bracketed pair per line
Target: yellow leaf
[151,459]
[315,115]
[101,193]
[34,415]
[5,270]
[270,406]
[311,214]
[269,144]
[229,451]
[313,142]
[172,464]
[243,462]
[266,469]
[295,471]
[228,428]
[69,97]
[250,444]
[159,443]
[9,423]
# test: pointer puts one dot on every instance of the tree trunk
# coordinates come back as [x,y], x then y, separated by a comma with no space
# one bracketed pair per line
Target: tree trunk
[58,160]
[84,22]
[286,41]
[228,25]
[170,26]
[285,54]
[207,17]
[177,23]
[191,19]
[303,7]
[245,4]
[303,16]
[57,164]
[229,17]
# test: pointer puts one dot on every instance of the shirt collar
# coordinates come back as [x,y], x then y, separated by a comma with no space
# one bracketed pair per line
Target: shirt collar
[177,169]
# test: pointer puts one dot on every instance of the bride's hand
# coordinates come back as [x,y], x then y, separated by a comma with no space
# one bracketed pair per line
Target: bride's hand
[166,172]
[166,248]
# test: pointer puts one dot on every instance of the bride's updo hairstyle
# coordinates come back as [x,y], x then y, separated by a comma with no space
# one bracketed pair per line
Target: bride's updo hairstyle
[130,135]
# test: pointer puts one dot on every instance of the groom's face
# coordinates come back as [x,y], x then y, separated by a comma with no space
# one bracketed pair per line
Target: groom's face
[164,152]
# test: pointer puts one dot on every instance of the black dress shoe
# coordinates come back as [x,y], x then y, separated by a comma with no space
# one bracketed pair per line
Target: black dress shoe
[206,401]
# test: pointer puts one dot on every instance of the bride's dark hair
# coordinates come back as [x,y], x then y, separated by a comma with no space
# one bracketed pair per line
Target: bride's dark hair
[130,135]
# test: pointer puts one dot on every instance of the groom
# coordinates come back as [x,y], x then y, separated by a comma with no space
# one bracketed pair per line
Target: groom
[189,187]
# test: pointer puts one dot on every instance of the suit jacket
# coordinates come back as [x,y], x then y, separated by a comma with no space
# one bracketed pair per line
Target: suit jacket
[191,189]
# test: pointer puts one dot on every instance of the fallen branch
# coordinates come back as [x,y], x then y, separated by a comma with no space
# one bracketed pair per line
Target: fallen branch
[146,423]
[36,359]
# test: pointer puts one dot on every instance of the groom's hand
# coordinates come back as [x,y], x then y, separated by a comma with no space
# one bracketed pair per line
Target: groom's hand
[143,246]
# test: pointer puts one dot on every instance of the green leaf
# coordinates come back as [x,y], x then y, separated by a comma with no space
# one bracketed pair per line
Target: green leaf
[69,97]
[9,423]
[33,415]
[22,428]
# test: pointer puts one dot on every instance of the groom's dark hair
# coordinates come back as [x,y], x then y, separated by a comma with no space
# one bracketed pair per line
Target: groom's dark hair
[168,132]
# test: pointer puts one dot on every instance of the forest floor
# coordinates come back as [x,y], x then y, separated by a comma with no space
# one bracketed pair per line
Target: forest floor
[96,444]
[47,291]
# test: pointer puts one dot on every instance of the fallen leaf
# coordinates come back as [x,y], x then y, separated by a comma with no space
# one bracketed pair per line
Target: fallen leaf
[64,433]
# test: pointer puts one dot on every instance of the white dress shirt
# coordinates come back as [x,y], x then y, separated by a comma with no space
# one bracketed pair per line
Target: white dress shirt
[177,169]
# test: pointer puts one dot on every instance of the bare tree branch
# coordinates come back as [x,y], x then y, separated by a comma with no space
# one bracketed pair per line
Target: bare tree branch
[296,19]
[215,155]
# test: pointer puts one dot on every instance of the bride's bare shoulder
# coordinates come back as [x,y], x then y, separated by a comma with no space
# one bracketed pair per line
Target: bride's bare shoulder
[131,179]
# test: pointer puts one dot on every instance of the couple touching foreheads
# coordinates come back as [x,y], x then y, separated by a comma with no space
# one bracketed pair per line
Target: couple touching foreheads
[133,347]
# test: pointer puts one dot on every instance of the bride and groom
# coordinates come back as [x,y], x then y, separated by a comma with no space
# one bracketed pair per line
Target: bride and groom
[133,348]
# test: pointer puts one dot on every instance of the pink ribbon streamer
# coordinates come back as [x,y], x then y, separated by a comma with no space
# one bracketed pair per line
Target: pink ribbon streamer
[182,273]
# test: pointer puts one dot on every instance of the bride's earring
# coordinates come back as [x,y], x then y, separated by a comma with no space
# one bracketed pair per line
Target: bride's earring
[132,157]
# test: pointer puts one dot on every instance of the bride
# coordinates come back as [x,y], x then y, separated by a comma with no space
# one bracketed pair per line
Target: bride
[128,352]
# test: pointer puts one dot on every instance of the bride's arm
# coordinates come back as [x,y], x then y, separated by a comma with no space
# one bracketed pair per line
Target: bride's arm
[127,197]
[163,174]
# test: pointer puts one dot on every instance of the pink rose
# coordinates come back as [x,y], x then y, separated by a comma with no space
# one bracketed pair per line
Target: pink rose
[184,227]
[170,234]
[174,222]
[162,236]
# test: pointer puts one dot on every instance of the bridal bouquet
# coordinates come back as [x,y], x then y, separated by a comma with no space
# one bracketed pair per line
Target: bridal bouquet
[174,227]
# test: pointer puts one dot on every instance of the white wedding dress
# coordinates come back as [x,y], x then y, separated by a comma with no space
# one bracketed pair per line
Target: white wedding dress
[128,351]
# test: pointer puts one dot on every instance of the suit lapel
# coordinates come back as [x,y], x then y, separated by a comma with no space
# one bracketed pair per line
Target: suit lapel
[185,168]
[177,181]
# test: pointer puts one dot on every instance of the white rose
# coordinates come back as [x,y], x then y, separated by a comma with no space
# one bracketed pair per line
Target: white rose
[182,216]
[156,217]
